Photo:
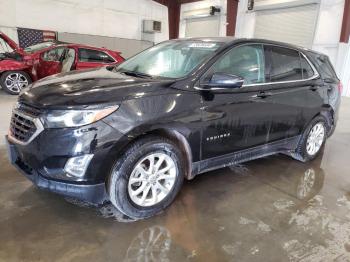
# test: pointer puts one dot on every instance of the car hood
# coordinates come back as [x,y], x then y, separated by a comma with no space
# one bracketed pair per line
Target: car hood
[11,43]
[90,87]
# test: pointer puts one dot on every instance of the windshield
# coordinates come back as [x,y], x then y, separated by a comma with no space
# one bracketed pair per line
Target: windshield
[173,59]
[38,47]
[4,47]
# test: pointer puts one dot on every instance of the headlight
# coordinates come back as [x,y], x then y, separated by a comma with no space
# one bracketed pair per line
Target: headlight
[23,90]
[74,118]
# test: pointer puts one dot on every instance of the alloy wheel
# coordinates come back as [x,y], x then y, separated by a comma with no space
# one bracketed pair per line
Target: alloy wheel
[152,179]
[315,139]
[15,82]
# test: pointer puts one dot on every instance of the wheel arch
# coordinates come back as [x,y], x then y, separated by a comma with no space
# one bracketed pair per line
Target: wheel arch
[172,134]
[181,142]
[328,113]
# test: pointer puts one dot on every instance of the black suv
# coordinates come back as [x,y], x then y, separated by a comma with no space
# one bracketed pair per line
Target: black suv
[131,134]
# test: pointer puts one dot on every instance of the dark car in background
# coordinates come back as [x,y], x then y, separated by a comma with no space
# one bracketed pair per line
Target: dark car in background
[131,134]
[20,67]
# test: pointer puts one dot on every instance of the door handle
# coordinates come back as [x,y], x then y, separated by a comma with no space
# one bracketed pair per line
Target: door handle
[313,88]
[263,94]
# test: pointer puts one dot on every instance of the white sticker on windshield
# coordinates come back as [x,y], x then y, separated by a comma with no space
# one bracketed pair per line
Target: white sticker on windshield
[202,45]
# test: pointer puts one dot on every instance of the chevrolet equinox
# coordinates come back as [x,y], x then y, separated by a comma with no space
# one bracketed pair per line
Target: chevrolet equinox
[130,134]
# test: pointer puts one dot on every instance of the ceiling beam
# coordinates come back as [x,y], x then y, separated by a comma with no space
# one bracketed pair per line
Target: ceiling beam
[345,29]
[162,2]
[167,2]
[174,7]
[188,1]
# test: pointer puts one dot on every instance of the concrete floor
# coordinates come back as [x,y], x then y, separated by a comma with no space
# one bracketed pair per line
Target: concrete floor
[272,209]
[6,104]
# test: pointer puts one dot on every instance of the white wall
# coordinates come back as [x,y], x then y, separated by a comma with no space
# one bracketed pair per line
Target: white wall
[245,23]
[326,39]
[204,4]
[328,28]
[343,66]
[115,18]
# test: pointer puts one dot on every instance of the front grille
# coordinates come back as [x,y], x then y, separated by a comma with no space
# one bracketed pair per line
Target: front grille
[21,128]
[24,124]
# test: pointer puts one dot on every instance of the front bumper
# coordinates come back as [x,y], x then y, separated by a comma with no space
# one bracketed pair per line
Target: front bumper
[92,193]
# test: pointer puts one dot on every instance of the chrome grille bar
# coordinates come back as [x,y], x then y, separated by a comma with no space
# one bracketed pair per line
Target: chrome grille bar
[24,127]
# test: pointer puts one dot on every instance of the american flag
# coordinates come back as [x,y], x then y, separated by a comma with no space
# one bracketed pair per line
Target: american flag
[28,37]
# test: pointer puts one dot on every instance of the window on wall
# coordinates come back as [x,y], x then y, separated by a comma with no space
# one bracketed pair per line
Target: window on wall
[245,61]
[94,56]
[285,65]
[54,54]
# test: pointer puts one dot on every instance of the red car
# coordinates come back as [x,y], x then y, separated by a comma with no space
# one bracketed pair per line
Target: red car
[19,67]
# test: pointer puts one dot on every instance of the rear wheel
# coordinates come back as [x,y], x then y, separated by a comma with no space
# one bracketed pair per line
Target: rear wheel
[147,178]
[14,81]
[312,140]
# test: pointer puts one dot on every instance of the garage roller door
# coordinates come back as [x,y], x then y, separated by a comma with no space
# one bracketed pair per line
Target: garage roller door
[207,26]
[295,25]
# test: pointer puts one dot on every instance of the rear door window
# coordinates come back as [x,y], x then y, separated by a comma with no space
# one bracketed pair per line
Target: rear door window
[285,65]
[94,56]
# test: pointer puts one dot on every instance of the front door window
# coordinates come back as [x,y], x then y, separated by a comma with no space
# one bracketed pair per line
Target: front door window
[53,55]
[246,61]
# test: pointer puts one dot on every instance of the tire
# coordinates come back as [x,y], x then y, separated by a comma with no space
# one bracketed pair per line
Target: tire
[302,153]
[121,189]
[12,82]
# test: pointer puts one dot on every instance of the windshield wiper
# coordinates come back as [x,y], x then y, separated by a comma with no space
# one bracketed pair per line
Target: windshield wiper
[136,74]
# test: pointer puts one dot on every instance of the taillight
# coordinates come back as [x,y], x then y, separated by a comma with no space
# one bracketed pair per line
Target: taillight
[340,87]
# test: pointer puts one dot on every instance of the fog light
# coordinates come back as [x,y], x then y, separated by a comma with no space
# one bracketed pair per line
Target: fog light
[76,166]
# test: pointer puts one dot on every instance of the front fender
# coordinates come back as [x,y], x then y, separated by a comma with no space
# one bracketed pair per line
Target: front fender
[177,112]
[11,65]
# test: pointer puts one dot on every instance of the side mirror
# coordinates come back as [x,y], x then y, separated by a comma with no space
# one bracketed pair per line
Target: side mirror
[223,80]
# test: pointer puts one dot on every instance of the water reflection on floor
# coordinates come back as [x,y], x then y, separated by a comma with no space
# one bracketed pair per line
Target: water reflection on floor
[272,209]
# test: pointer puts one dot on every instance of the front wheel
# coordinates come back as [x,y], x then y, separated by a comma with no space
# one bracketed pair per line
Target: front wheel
[14,81]
[147,178]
